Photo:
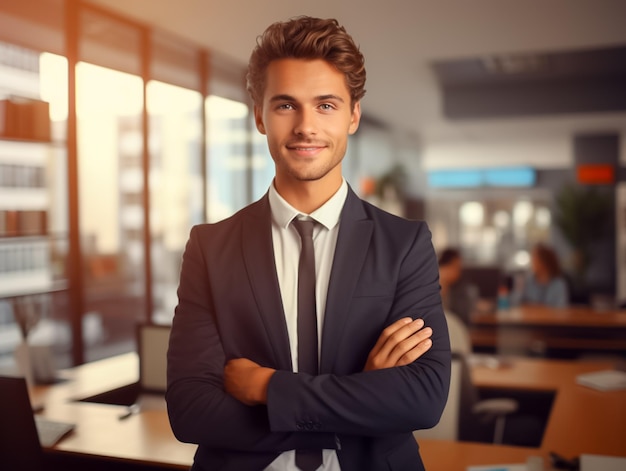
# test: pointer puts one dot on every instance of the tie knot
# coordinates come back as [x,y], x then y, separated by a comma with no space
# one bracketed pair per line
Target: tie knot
[304,228]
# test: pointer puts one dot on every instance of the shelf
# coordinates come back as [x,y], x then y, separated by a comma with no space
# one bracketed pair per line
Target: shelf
[25,140]
[46,287]
[23,237]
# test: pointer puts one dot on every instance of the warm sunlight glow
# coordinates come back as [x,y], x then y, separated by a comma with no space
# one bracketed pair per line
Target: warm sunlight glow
[102,90]
[53,84]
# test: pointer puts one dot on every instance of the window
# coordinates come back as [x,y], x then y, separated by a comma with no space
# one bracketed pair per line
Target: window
[129,151]
[490,228]
[227,141]
[109,108]
[175,186]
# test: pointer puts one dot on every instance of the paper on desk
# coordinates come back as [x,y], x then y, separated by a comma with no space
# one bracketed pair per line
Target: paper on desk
[499,467]
[606,380]
[605,463]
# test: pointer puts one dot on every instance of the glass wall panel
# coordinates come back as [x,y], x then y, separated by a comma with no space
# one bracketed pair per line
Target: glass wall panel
[228,162]
[174,61]
[262,167]
[490,228]
[109,42]
[175,186]
[109,107]
[228,146]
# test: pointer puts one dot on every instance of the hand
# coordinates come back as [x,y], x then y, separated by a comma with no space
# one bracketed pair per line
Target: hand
[400,344]
[247,381]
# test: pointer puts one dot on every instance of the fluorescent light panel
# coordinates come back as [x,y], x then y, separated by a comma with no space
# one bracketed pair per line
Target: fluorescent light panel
[484,177]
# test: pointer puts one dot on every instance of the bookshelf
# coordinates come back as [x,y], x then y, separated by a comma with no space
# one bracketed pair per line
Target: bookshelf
[25,261]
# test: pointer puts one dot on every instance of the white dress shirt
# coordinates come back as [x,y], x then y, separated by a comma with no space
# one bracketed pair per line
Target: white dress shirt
[287,256]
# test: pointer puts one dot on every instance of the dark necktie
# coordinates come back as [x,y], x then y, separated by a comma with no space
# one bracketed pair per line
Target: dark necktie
[307,460]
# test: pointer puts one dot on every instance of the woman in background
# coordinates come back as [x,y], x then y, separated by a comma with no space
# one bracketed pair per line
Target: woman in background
[545,284]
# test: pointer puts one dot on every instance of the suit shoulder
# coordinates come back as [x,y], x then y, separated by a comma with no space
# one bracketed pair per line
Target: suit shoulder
[227,225]
[386,219]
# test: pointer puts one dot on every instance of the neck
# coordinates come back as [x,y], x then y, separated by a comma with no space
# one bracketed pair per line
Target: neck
[307,196]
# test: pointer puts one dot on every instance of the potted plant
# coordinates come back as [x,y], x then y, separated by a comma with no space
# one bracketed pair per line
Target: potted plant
[582,215]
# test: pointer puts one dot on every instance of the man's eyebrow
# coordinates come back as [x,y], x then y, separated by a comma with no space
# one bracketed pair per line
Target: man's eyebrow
[282,98]
[329,97]
[276,98]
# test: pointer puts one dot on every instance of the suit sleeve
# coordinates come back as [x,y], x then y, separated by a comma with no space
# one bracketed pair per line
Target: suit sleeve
[199,409]
[381,402]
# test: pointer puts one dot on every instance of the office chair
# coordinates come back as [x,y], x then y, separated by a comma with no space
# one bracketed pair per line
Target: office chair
[464,410]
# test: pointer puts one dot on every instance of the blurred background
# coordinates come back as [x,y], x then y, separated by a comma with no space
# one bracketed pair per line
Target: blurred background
[122,124]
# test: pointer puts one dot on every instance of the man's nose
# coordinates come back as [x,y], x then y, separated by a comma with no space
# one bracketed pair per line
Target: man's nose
[306,124]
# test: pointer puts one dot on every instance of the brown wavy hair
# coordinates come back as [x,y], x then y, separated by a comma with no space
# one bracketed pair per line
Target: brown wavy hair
[549,259]
[307,38]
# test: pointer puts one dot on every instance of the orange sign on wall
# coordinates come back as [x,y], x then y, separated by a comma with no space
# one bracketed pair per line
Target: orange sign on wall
[596,174]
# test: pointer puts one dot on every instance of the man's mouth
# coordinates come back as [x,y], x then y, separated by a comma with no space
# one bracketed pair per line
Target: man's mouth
[305,145]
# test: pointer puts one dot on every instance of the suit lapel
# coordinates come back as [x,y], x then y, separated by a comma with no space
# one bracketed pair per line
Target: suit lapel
[258,255]
[353,240]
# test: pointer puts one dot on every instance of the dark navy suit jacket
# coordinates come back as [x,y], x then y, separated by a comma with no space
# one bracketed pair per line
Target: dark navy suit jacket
[230,307]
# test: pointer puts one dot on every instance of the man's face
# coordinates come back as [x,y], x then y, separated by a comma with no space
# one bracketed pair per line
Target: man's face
[307,116]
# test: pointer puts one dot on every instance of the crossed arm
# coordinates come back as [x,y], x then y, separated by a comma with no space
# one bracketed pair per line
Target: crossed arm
[400,344]
[395,393]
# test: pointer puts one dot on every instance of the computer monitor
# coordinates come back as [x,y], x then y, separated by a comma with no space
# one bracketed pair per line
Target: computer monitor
[20,448]
[486,279]
[152,344]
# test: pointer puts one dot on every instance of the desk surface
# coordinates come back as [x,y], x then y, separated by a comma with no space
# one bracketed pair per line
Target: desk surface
[580,316]
[599,417]
[582,420]
[573,329]
[145,437]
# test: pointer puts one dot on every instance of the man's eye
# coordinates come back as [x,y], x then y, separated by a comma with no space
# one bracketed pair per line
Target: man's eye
[285,106]
[326,106]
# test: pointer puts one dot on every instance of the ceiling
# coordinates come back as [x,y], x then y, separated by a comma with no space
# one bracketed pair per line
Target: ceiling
[402,39]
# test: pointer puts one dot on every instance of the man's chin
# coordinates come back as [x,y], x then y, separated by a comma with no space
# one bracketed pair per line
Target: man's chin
[308,178]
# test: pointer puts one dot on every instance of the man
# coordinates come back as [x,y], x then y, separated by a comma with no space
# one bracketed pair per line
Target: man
[455,293]
[291,350]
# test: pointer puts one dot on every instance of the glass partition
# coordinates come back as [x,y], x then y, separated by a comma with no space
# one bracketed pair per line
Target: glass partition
[109,107]
[262,167]
[228,163]
[175,186]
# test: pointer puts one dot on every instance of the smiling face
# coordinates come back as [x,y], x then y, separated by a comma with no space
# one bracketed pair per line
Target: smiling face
[307,116]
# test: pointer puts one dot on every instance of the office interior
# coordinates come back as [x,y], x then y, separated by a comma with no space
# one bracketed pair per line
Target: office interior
[502,124]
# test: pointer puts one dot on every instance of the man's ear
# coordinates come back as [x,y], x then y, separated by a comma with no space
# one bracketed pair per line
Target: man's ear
[355,119]
[258,119]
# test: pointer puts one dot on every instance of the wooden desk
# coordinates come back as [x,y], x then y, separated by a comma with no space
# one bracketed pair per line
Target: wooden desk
[443,455]
[144,438]
[573,329]
[582,420]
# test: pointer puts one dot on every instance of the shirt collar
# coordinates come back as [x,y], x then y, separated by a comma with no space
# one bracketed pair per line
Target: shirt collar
[327,215]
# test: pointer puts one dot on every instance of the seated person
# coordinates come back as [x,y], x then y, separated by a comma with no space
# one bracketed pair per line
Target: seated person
[455,293]
[545,283]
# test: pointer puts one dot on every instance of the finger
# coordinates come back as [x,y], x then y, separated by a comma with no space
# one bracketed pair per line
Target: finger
[387,332]
[409,343]
[399,335]
[240,363]
[416,352]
